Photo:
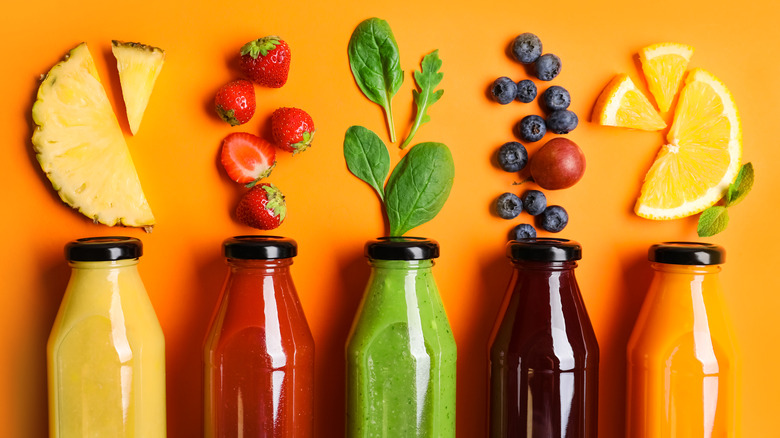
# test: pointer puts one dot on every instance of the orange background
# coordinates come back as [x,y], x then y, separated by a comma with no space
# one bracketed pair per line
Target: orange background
[331,213]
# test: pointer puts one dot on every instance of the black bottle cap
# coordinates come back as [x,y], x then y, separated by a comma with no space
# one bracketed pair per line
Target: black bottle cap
[259,248]
[402,248]
[544,249]
[103,249]
[687,253]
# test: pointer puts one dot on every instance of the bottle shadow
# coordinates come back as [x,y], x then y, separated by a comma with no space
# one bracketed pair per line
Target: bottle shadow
[330,370]
[184,346]
[31,394]
[473,366]
[636,277]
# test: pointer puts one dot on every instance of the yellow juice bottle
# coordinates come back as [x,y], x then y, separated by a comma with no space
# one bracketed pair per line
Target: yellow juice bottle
[682,358]
[106,353]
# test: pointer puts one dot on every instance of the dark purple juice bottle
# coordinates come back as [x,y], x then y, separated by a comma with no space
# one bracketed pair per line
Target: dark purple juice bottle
[544,358]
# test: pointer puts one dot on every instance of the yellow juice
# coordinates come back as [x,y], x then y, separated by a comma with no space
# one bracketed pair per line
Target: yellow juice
[682,358]
[106,356]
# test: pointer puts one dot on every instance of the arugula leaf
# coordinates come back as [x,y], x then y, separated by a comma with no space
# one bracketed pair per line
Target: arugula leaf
[741,186]
[712,221]
[375,64]
[418,186]
[367,157]
[427,79]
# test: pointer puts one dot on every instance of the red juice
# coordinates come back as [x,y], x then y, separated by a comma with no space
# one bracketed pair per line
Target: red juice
[259,354]
[544,355]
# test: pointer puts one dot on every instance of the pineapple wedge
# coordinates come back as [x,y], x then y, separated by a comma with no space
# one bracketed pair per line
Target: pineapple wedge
[80,146]
[138,65]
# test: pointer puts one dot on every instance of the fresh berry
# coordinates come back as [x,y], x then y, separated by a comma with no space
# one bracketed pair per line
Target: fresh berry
[292,129]
[548,66]
[235,102]
[509,205]
[534,202]
[503,90]
[556,98]
[526,48]
[553,219]
[262,207]
[531,128]
[247,158]
[526,91]
[562,121]
[522,231]
[266,61]
[512,156]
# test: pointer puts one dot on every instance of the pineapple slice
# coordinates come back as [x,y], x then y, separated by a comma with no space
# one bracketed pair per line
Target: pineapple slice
[81,148]
[138,65]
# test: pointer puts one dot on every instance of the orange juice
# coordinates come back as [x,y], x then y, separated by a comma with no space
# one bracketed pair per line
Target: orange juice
[682,358]
[106,353]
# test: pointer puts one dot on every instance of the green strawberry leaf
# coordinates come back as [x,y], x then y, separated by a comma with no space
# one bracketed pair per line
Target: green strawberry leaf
[712,221]
[427,79]
[741,186]
[260,46]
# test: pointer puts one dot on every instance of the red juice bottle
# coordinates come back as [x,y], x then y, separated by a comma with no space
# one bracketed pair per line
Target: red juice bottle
[259,353]
[544,356]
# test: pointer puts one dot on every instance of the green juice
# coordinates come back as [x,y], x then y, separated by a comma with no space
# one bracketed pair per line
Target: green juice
[401,356]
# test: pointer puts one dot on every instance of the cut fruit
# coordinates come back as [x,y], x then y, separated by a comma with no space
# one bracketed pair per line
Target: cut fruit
[702,158]
[138,65]
[664,66]
[81,148]
[623,104]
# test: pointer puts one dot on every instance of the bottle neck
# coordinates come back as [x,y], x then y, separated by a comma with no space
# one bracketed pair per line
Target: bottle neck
[112,264]
[670,269]
[263,267]
[405,265]
[523,265]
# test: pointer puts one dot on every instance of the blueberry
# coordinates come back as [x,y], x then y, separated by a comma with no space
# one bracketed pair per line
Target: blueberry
[509,205]
[526,48]
[522,231]
[526,91]
[503,90]
[534,202]
[512,156]
[553,219]
[556,98]
[531,128]
[548,66]
[562,121]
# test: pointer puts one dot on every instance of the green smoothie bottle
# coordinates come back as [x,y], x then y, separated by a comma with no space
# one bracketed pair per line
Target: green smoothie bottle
[401,353]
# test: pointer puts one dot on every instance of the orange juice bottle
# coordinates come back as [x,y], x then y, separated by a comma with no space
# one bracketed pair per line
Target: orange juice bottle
[682,358]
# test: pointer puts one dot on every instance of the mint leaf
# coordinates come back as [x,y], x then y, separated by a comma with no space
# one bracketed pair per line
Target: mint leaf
[712,221]
[741,186]
[367,157]
[427,79]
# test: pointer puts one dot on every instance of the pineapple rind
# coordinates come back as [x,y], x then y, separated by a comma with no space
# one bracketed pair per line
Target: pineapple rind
[138,65]
[80,146]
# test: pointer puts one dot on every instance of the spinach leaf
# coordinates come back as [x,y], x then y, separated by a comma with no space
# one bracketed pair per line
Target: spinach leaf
[375,64]
[367,157]
[427,79]
[418,186]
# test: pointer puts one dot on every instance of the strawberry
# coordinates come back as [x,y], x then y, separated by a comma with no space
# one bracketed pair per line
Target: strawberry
[247,158]
[292,129]
[262,207]
[235,102]
[266,61]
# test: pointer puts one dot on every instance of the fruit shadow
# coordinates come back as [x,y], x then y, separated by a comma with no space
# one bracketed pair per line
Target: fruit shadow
[184,367]
[30,394]
[330,370]
[636,277]
[473,367]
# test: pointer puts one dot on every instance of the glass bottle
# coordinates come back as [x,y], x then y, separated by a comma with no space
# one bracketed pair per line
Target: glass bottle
[259,351]
[106,352]
[401,352]
[682,357]
[544,357]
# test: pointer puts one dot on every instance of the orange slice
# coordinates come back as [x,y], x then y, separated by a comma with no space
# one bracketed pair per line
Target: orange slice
[664,66]
[623,104]
[702,157]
